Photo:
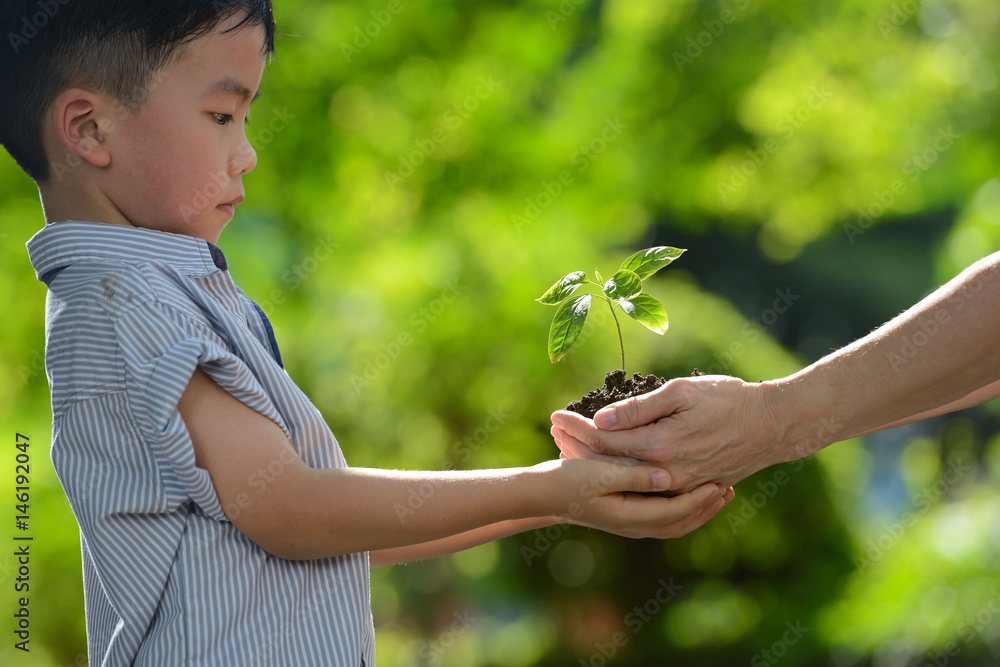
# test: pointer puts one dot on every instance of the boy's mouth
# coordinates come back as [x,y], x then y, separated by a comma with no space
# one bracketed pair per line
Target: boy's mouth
[230,206]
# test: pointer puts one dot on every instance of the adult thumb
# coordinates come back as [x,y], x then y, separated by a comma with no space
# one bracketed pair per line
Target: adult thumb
[641,410]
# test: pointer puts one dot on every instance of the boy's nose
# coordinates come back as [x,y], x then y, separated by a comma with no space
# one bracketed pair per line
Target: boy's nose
[243,160]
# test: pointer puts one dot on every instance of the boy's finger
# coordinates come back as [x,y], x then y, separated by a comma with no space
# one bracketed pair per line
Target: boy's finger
[700,500]
[574,449]
[696,520]
[626,443]
[663,511]
[663,518]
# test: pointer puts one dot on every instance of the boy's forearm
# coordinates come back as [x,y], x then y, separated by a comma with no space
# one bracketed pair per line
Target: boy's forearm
[347,510]
[938,352]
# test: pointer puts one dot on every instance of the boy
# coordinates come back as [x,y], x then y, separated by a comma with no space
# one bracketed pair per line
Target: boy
[219,521]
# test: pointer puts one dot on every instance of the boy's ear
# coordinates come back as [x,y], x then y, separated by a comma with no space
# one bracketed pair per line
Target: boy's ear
[81,120]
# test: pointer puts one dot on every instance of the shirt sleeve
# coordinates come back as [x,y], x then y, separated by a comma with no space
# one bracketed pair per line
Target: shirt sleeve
[160,348]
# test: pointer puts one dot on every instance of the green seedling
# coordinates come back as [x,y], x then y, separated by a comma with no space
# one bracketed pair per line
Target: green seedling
[623,290]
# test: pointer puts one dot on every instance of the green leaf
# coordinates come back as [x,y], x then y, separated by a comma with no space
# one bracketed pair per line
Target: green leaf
[562,289]
[600,278]
[647,311]
[566,326]
[622,285]
[647,262]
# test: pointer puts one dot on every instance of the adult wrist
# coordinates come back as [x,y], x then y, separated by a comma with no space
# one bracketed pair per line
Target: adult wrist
[782,421]
[800,423]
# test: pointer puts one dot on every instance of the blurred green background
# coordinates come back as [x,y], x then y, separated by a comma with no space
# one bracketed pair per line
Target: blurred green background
[427,169]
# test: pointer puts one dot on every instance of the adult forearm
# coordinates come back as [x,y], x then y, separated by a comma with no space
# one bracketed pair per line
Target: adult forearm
[987,393]
[937,353]
[460,542]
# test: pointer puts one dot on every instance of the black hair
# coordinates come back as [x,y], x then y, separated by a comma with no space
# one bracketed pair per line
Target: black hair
[115,46]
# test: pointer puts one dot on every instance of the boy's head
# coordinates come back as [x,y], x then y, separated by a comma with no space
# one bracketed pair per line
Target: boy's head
[80,80]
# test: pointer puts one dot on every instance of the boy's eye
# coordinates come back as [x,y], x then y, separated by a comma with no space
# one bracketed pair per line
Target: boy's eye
[226,118]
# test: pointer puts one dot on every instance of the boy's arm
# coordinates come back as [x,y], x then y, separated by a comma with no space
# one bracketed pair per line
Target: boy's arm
[301,512]
[496,531]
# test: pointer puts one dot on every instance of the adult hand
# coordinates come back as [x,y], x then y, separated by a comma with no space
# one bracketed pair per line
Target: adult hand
[702,429]
[940,355]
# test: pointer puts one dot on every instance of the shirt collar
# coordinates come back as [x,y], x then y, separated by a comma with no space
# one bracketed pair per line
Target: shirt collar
[64,243]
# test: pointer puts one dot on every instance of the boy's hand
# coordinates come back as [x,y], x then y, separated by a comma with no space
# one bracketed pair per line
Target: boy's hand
[610,496]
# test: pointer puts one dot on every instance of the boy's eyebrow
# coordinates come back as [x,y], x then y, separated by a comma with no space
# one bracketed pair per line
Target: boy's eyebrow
[230,85]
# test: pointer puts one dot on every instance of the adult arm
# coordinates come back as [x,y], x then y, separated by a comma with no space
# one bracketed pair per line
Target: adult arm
[466,540]
[939,355]
[302,513]
[987,393]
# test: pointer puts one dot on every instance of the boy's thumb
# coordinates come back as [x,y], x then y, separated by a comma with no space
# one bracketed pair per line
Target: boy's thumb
[643,479]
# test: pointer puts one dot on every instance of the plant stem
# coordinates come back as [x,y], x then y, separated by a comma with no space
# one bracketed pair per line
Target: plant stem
[621,343]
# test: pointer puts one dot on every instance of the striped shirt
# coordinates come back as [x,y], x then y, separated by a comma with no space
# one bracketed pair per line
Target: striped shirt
[168,580]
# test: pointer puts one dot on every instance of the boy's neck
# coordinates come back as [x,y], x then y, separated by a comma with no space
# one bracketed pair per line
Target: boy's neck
[73,200]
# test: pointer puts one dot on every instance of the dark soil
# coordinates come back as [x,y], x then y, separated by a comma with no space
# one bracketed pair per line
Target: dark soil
[617,388]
